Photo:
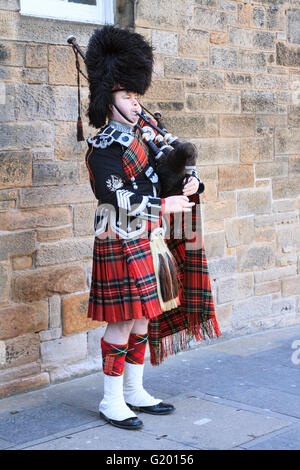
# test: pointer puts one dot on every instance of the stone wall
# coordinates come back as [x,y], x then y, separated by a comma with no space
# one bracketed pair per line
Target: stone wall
[227,77]
[46,204]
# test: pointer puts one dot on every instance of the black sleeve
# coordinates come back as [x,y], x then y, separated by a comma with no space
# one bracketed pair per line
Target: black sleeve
[110,185]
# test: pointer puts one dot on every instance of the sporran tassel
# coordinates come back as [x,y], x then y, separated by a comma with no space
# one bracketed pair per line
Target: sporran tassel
[165,271]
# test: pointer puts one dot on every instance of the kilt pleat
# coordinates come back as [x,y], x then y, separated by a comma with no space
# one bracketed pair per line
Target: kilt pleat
[114,294]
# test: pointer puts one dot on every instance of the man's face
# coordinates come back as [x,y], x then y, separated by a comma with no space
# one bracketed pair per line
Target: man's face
[127,102]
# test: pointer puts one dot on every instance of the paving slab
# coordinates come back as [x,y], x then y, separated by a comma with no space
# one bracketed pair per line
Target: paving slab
[107,437]
[231,393]
[208,425]
[285,440]
[40,421]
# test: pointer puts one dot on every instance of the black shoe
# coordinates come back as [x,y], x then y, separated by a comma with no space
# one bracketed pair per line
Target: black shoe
[129,423]
[159,409]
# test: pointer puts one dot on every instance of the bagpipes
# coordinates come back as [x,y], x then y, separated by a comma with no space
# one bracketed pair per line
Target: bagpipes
[176,160]
[175,163]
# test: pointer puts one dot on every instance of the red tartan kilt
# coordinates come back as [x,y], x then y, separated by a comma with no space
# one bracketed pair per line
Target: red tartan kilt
[114,295]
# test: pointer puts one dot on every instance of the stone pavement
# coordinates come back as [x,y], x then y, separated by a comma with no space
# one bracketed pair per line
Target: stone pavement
[231,393]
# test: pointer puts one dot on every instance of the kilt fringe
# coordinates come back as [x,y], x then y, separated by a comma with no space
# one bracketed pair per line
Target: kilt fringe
[180,341]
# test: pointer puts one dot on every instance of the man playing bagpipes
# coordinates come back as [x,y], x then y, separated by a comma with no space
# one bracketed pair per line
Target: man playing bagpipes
[145,285]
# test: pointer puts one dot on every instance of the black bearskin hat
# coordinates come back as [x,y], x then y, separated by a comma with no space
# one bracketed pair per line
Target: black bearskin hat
[115,58]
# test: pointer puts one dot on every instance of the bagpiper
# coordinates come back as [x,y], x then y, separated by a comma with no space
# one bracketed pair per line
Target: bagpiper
[146,286]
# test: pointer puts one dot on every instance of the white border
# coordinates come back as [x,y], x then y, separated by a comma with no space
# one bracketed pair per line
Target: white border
[102,13]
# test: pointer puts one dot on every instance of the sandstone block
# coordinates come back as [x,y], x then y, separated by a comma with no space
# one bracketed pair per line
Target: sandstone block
[291,286]
[217,151]
[209,79]
[46,282]
[34,102]
[180,68]
[294,165]
[74,311]
[66,75]
[256,149]
[50,195]
[288,239]
[50,217]
[219,210]
[36,55]
[24,384]
[21,319]
[210,20]
[25,370]
[15,169]
[50,335]
[4,279]
[287,55]
[240,80]
[239,37]
[251,310]
[12,53]
[83,173]
[46,173]
[293,25]
[267,288]
[263,40]
[256,257]
[66,350]
[253,101]
[186,125]
[213,102]
[21,350]
[253,201]
[194,43]
[214,244]
[236,126]
[239,231]
[223,57]
[64,250]
[235,177]
[218,37]
[222,267]
[26,135]
[286,188]
[275,169]
[287,140]
[226,290]
[94,337]
[223,314]
[17,243]
[293,115]
[252,61]
[165,42]
[66,145]
[245,286]
[271,82]
[54,311]
[45,235]
[164,15]
[165,89]
[22,262]
[84,219]
[283,306]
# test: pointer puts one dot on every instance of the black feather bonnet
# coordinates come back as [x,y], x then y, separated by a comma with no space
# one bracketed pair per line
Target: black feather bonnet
[115,58]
